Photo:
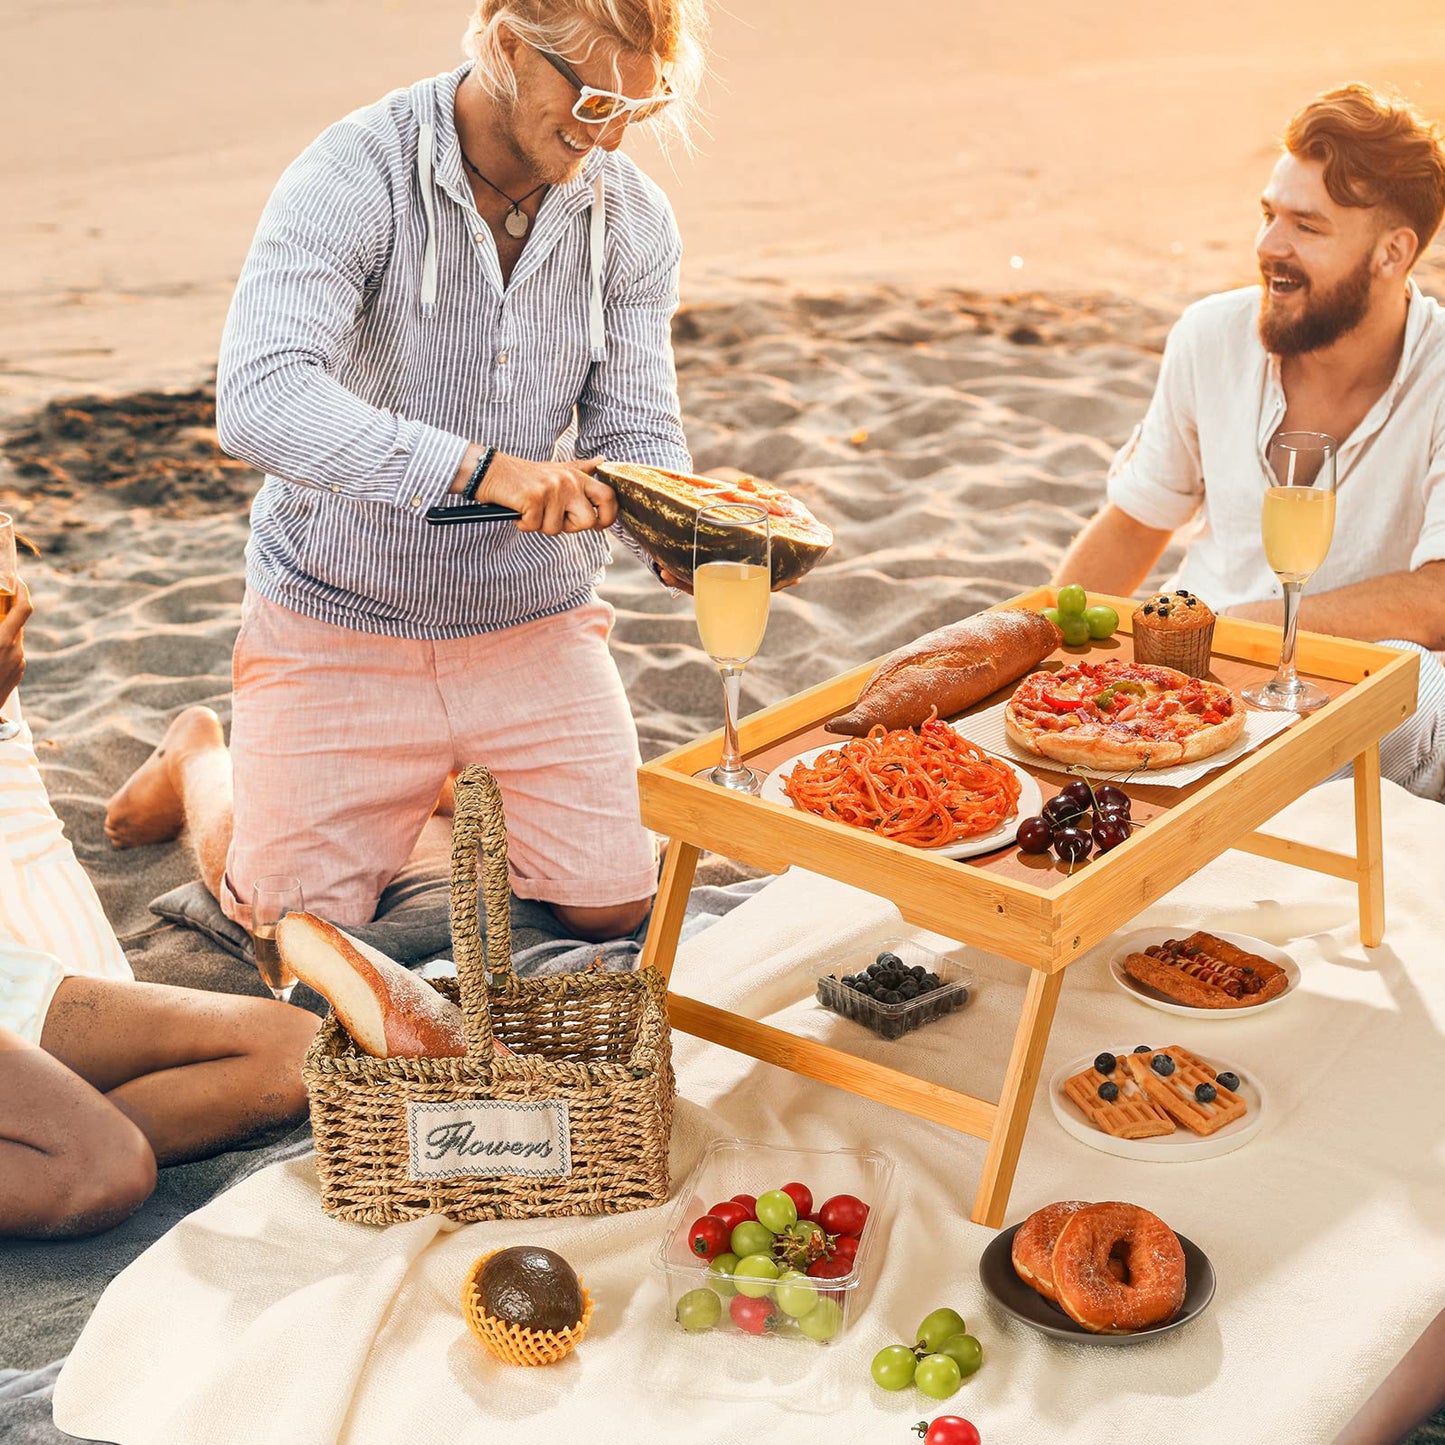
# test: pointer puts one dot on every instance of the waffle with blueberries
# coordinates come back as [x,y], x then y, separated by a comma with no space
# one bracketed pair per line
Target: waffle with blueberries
[890,997]
[1187,1089]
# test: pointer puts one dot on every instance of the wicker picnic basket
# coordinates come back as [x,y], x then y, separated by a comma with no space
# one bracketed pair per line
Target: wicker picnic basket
[578,1112]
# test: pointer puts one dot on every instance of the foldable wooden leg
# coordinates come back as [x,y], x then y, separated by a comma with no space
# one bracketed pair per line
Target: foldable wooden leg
[1030,1040]
[670,907]
[1369,847]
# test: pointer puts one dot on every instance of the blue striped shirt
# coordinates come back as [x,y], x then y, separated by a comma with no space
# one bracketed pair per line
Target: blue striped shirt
[371,339]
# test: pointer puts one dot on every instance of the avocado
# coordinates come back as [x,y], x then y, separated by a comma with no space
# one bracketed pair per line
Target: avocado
[531,1287]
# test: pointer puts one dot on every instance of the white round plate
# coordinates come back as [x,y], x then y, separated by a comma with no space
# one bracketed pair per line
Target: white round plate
[1179,1147]
[1030,801]
[1143,938]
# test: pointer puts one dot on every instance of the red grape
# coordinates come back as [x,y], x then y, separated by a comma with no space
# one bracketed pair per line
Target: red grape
[843,1214]
[752,1315]
[1034,836]
[730,1212]
[709,1237]
[802,1196]
[845,1247]
[748,1202]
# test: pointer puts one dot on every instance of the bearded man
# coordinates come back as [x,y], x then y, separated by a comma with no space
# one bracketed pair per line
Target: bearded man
[1338,339]
[454,294]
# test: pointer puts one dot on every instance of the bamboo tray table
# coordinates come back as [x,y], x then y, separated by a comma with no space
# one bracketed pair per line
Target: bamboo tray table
[1026,908]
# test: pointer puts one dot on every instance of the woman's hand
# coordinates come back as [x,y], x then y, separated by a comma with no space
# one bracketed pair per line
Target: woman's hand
[553,497]
[12,642]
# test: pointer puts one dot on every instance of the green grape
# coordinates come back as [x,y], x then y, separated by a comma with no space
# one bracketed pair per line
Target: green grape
[776,1210]
[1075,630]
[795,1299]
[754,1275]
[893,1367]
[1052,613]
[1072,600]
[1102,621]
[750,1237]
[823,1321]
[699,1309]
[804,1230]
[965,1352]
[720,1268]
[937,1376]
[939,1326]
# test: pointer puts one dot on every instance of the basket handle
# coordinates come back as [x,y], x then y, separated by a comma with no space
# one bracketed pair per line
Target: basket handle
[480,823]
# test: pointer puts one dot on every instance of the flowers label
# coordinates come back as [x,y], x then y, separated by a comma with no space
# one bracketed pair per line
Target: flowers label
[484,1136]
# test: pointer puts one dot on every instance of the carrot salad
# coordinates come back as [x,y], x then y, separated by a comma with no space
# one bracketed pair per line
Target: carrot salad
[928,788]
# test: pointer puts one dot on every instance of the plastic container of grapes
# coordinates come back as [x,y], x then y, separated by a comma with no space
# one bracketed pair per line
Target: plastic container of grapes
[744,1166]
[893,1020]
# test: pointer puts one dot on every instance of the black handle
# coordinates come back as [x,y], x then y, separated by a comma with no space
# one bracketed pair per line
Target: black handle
[471,512]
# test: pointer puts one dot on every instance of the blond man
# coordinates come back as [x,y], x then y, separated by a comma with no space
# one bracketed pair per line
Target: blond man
[1337,338]
[461,293]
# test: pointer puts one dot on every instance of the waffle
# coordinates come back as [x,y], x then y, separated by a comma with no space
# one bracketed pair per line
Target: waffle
[1130,1116]
[1175,1094]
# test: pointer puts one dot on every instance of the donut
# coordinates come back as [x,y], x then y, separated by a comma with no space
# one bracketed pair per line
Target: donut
[1033,1246]
[1153,1287]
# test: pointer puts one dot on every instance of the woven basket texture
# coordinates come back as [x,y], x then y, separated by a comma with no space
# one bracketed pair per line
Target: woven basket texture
[597,1041]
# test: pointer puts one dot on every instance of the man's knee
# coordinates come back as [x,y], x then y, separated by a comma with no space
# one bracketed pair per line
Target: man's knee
[597,925]
[283,1049]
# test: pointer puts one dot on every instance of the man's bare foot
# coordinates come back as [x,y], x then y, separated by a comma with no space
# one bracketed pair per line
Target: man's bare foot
[148,808]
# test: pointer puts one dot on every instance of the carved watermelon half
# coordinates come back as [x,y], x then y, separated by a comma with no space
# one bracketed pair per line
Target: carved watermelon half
[660,508]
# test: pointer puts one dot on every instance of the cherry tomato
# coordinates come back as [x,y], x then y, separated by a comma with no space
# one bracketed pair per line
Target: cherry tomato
[708,1237]
[949,1430]
[752,1315]
[802,1196]
[748,1202]
[730,1212]
[845,1247]
[830,1268]
[843,1214]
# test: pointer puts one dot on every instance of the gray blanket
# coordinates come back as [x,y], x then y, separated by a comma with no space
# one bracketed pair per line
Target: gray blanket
[49,1290]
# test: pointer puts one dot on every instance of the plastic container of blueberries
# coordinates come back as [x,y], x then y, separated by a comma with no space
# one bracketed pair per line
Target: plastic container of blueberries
[746,1166]
[893,1020]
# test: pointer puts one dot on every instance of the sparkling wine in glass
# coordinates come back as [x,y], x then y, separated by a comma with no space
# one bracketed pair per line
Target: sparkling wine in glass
[1298,523]
[272,898]
[731,588]
[9,591]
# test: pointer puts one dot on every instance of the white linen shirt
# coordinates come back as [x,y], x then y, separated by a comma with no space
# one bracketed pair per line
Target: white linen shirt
[1200,456]
[372,338]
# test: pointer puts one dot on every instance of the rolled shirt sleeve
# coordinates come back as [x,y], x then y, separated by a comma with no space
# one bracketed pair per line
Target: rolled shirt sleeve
[1158,476]
[324,236]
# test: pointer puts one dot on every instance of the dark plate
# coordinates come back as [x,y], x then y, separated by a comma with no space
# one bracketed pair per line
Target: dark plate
[1014,1297]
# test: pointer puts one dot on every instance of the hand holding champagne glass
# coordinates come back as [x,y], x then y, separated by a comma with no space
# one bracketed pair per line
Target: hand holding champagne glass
[731,585]
[1298,523]
[272,898]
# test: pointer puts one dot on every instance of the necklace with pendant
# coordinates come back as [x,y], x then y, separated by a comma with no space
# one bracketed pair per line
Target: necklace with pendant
[516,221]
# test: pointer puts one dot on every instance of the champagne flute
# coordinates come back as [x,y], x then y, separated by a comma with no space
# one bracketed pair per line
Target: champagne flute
[731,585]
[272,898]
[9,591]
[1298,524]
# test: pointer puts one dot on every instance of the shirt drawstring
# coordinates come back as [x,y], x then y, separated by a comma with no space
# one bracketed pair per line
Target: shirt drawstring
[596,328]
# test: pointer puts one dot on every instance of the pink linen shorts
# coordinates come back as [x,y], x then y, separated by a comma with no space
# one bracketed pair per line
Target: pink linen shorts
[341,741]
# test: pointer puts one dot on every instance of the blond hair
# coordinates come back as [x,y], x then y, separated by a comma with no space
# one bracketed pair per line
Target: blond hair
[673,32]
[1377,150]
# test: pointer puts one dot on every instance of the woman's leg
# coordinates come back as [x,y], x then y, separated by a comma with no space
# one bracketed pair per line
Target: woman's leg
[195,1072]
[71,1163]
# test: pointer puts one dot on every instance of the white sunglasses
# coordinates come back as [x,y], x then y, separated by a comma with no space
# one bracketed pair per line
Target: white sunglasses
[596,107]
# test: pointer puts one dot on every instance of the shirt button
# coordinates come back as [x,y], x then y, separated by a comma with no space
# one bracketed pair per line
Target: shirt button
[336,486]
[501,358]
[416,501]
[477,235]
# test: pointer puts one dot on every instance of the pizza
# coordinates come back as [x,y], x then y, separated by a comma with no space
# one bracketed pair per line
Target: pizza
[1122,716]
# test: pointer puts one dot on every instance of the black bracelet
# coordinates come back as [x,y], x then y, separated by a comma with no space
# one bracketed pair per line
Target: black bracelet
[469,492]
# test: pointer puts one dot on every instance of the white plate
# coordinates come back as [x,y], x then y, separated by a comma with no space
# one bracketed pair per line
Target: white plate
[1176,1148]
[1030,801]
[1143,938]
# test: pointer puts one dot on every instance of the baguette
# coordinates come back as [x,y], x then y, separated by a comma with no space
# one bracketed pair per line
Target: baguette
[387,1009]
[950,669]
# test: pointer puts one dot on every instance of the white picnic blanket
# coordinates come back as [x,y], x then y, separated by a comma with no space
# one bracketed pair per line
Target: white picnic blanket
[258,1319]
